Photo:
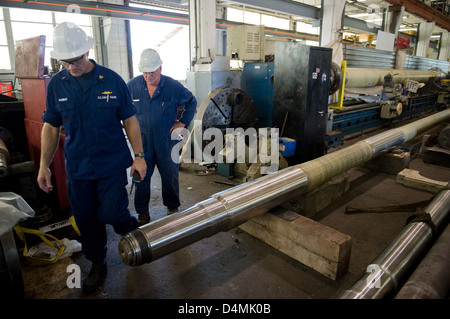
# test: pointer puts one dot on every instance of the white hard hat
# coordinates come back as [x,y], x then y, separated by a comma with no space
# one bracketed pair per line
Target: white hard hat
[150,61]
[70,41]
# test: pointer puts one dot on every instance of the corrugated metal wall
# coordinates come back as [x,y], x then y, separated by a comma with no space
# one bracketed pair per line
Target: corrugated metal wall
[358,57]
[419,63]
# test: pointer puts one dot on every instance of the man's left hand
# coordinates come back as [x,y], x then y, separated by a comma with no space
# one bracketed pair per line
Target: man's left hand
[176,125]
[139,165]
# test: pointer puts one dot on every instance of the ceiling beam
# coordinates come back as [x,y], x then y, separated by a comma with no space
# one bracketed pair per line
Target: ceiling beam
[282,6]
[424,11]
[99,9]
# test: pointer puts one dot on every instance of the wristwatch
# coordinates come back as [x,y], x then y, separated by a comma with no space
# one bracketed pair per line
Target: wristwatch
[141,155]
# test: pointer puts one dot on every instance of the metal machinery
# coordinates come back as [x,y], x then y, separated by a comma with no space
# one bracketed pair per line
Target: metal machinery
[294,93]
[275,87]
[16,175]
[300,102]
[297,101]
[20,126]
[227,108]
[258,80]
[401,94]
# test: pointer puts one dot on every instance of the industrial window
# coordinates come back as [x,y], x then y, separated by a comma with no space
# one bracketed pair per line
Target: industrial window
[28,23]
[170,40]
[254,18]
[303,27]
[307,28]
[235,15]
[274,22]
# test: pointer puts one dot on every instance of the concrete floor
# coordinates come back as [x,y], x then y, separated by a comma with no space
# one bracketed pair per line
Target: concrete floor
[236,265]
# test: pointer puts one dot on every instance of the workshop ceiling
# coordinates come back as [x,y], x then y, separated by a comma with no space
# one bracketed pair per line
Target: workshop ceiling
[358,13]
[369,11]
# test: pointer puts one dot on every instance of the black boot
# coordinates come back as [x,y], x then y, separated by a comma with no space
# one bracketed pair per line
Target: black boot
[96,276]
[143,218]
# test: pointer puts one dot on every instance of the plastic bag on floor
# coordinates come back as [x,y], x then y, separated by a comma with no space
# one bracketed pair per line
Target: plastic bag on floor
[43,250]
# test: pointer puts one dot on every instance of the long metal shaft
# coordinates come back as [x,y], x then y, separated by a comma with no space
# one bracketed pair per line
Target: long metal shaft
[228,209]
[431,279]
[390,269]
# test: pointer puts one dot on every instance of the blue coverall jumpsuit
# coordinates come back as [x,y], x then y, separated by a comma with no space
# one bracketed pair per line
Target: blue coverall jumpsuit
[156,116]
[96,152]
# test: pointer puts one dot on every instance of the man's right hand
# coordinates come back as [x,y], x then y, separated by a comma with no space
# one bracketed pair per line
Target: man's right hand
[44,179]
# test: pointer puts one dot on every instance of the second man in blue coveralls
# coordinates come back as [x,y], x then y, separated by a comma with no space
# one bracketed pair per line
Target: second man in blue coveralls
[157,98]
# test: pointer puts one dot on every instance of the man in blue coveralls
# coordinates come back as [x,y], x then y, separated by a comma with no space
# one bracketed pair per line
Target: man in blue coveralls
[157,98]
[94,106]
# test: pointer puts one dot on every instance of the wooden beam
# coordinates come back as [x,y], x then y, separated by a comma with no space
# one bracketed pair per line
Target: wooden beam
[317,246]
[424,11]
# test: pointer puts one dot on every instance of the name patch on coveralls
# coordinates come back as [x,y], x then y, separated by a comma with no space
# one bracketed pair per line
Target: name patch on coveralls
[106,95]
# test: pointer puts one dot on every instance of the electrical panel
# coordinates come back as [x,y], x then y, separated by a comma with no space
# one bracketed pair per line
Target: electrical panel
[246,43]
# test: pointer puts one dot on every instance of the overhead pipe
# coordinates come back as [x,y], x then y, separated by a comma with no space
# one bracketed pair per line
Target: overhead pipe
[431,279]
[391,268]
[230,208]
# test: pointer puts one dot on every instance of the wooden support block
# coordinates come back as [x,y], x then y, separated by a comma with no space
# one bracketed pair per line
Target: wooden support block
[390,163]
[317,246]
[311,203]
[412,178]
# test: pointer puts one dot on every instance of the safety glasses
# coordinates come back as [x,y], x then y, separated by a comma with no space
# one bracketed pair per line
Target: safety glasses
[76,61]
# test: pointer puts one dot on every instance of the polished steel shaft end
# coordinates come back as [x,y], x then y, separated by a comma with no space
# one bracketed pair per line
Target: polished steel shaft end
[134,248]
